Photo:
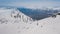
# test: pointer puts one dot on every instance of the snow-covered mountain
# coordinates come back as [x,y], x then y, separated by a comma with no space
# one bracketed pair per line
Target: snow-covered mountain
[25,14]
[13,21]
[38,14]
[13,15]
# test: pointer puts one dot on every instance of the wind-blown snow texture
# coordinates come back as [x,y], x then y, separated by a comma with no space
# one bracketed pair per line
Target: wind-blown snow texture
[12,21]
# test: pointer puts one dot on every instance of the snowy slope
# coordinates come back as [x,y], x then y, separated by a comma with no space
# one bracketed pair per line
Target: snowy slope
[46,26]
[16,25]
[13,15]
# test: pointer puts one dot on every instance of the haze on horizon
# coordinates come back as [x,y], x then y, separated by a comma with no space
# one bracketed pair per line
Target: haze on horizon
[30,3]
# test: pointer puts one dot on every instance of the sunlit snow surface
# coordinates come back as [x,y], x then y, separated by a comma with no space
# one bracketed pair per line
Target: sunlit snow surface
[11,25]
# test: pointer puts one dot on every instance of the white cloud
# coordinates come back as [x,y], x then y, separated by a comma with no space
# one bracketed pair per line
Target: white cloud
[35,4]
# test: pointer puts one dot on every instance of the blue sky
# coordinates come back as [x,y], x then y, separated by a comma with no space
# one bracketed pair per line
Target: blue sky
[30,3]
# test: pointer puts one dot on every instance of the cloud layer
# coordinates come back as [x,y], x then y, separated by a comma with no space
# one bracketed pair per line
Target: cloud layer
[30,3]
